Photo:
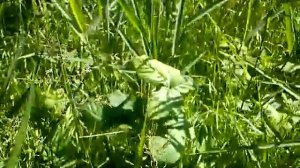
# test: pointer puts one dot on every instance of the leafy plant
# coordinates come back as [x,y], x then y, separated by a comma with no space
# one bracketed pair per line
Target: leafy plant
[124,83]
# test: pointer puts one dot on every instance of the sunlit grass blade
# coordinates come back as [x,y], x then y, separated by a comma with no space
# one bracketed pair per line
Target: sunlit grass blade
[2,8]
[154,22]
[100,8]
[127,42]
[133,17]
[10,72]
[34,6]
[249,14]
[189,66]
[177,25]
[252,147]
[201,15]
[276,82]
[140,147]
[290,37]
[107,20]
[144,31]
[78,15]
[82,36]
[20,137]
[18,104]
[63,12]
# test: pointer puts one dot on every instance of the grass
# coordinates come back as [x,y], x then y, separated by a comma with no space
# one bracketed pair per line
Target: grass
[73,95]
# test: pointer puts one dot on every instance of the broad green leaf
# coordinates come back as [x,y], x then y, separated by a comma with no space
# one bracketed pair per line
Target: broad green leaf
[117,98]
[162,150]
[156,72]
[177,137]
[164,103]
[146,72]
[182,84]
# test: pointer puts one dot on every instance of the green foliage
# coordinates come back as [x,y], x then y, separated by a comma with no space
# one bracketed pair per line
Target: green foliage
[124,83]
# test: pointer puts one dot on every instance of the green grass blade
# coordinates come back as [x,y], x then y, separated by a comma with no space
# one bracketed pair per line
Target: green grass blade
[20,137]
[107,17]
[250,5]
[155,17]
[135,9]
[78,15]
[18,104]
[63,12]
[177,25]
[201,15]
[194,62]
[290,37]
[2,8]
[11,69]
[276,82]
[143,32]
[131,16]
[34,6]
[140,149]
[100,8]
[127,42]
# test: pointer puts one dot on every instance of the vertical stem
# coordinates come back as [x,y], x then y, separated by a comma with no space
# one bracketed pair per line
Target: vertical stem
[140,149]
[250,5]
[288,27]
[177,25]
[20,137]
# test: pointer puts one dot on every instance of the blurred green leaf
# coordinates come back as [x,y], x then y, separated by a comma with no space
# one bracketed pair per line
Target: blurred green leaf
[162,150]
[77,13]
[117,98]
